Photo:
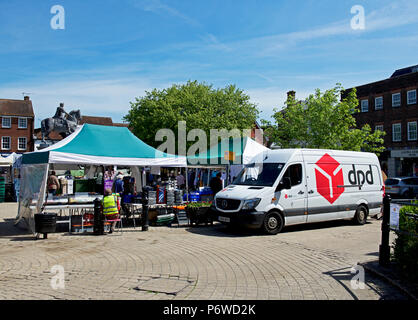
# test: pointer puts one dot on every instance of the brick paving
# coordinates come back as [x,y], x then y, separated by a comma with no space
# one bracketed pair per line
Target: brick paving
[304,262]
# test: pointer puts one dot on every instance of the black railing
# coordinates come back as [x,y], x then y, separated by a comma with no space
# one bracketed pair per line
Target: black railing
[384,249]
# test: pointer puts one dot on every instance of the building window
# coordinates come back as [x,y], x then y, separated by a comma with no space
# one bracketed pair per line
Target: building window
[22,123]
[6,122]
[396,100]
[378,103]
[412,130]
[21,143]
[5,143]
[412,97]
[396,132]
[378,127]
[364,105]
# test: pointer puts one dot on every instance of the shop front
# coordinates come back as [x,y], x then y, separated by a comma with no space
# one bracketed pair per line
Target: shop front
[403,163]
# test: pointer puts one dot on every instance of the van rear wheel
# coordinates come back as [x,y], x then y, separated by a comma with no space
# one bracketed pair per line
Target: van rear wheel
[360,217]
[273,223]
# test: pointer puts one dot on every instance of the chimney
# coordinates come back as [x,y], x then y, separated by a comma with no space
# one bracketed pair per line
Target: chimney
[26,98]
[291,94]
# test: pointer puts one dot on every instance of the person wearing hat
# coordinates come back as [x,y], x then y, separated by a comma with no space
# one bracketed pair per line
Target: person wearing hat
[110,208]
[118,184]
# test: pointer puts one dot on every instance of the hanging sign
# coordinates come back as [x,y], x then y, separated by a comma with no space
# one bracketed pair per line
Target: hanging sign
[229,155]
[394,215]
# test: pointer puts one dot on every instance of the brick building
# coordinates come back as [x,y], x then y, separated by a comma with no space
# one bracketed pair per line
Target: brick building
[16,126]
[391,105]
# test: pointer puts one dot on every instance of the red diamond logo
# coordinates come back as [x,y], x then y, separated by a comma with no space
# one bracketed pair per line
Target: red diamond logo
[329,175]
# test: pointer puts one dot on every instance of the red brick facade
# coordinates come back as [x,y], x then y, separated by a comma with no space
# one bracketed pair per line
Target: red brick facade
[405,115]
[389,115]
[10,132]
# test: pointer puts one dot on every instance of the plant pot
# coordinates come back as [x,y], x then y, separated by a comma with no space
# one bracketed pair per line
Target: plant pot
[198,215]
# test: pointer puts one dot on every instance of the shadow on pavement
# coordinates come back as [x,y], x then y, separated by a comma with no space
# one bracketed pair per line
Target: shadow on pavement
[320,225]
[9,230]
[220,230]
[384,290]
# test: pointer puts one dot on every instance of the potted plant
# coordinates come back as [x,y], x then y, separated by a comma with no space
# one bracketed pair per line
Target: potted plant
[198,212]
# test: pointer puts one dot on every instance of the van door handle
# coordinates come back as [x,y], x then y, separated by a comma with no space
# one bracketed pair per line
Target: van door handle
[311,191]
[301,192]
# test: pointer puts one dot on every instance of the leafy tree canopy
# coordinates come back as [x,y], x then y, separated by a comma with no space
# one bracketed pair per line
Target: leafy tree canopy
[199,104]
[323,121]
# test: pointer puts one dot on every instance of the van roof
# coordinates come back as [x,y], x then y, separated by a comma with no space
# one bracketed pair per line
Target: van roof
[284,155]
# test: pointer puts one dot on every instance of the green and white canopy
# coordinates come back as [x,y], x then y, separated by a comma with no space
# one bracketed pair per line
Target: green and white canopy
[232,151]
[103,145]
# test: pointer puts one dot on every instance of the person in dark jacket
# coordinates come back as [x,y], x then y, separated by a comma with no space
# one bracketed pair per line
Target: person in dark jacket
[118,184]
[216,183]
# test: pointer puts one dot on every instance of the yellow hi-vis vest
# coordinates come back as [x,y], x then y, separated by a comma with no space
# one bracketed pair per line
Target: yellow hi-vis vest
[110,205]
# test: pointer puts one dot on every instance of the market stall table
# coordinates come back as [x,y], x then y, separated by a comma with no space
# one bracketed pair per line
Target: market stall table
[72,209]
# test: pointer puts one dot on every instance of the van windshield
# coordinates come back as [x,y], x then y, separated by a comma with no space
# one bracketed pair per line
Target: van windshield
[259,174]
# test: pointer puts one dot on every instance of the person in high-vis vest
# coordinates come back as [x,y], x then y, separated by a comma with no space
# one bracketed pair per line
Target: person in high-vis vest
[111,207]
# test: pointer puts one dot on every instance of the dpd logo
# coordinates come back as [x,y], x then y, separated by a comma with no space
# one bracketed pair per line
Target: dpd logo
[329,175]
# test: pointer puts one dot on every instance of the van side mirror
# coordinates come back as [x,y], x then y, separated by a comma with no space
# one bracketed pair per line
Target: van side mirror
[285,183]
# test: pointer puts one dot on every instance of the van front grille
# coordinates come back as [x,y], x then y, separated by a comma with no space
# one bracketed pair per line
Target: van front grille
[227,204]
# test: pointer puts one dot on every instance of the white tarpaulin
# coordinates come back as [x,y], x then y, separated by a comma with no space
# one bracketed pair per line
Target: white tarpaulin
[32,191]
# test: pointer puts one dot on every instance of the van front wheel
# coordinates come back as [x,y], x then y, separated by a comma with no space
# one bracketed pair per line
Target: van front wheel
[273,223]
[361,215]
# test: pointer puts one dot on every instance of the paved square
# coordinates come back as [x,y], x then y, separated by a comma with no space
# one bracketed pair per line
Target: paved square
[303,262]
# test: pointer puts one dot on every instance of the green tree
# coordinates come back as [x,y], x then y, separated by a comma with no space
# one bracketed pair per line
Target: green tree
[323,121]
[199,104]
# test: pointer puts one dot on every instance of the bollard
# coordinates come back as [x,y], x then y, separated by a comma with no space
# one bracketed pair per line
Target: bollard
[384,249]
[98,218]
[145,221]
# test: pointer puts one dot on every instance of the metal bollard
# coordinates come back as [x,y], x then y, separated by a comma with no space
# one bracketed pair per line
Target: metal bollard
[98,218]
[384,249]
[145,222]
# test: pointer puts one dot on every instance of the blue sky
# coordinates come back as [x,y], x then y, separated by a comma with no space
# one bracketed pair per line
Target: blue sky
[112,51]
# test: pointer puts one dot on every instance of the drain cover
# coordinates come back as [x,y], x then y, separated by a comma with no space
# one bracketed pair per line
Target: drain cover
[161,285]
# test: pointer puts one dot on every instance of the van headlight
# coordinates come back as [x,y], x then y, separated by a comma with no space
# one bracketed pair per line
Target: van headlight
[250,204]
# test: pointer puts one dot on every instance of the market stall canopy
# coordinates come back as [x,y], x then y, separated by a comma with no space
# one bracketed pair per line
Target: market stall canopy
[229,151]
[7,161]
[103,145]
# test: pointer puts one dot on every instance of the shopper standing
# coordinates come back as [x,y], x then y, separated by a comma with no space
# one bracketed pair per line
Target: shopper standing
[216,183]
[53,183]
[118,184]
[180,181]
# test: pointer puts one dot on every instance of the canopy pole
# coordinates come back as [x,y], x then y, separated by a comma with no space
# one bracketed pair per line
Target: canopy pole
[103,180]
[187,184]
[42,201]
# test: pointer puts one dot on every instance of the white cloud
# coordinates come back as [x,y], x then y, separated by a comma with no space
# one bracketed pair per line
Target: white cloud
[394,15]
[156,6]
[96,97]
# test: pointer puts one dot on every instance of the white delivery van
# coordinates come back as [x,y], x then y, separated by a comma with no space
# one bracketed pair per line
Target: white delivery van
[295,186]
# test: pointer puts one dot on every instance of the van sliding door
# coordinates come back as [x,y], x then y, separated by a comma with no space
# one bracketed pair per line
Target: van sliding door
[294,200]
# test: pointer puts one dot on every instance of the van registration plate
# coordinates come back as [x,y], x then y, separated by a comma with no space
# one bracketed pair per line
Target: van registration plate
[224,219]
